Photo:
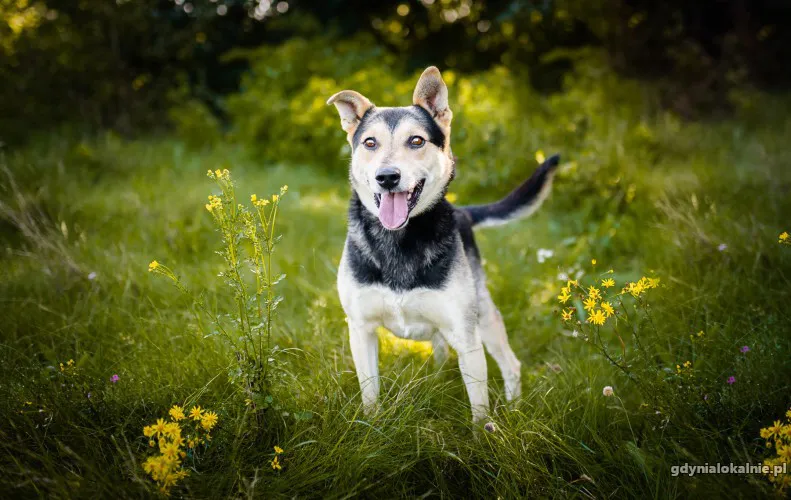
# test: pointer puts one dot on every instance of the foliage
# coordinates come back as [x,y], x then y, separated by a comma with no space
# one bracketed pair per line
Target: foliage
[700,205]
[113,64]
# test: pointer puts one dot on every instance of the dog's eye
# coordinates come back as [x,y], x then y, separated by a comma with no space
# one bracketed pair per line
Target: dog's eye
[416,141]
[370,143]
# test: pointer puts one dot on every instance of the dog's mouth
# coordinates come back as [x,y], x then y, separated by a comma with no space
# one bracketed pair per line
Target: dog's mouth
[394,208]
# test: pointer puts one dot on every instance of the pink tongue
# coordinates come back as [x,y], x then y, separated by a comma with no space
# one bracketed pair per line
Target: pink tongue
[393,210]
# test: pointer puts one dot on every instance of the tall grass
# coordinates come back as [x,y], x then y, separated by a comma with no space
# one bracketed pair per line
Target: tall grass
[699,206]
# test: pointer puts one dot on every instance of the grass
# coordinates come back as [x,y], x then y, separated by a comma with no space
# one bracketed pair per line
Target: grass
[700,206]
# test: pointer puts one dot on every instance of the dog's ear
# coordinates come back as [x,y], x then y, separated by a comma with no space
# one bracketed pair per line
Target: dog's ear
[351,106]
[431,94]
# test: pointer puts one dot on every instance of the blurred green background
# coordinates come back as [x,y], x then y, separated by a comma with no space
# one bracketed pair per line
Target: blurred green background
[672,119]
[121,64]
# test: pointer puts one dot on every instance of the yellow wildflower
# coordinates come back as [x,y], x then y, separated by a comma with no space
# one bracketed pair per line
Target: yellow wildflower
[687,364]
[276,464]
[452,197]
[607,308]
[153,266]
[253,198]
[701,333]
[567,314]
[149,431]
[169,451]
[209,420]
[788,414]
[159,427]
[589,304]
[570,283]
[284,189]
[608,283]
[597,317]
[210,174]
[594,292]
[772,430]
[275,198]
[593,261]
[176,413]
[196,413]
[172,430]
[784,237]
[564,297]
[278,449]
[636,288]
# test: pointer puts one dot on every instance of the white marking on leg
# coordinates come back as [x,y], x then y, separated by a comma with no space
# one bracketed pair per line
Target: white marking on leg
[365,352]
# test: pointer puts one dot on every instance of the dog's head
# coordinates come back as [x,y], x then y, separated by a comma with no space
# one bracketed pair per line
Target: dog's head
[401,160]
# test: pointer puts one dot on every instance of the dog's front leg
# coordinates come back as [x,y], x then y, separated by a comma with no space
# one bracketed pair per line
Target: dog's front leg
[472,364]
[365,352]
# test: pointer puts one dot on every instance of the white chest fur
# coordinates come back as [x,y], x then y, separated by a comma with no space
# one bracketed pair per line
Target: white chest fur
[414,314]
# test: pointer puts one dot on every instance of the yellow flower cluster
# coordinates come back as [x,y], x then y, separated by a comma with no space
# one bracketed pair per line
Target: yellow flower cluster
[259,202]
[784,238]
[276,461]
[565,292]
[166,467]
[153,266]
[215,203]
[219,175]
[778,436]
[640,286]
[600,309]
[68,366]
[685,369]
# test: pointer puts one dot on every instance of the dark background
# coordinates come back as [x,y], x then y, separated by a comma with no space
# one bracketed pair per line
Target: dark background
[119,64]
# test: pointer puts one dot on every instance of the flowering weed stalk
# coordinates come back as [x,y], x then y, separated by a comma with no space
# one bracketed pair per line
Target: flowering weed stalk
[605,308]
[248,243]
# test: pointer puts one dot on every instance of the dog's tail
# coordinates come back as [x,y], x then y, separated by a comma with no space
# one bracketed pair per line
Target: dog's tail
[521,202]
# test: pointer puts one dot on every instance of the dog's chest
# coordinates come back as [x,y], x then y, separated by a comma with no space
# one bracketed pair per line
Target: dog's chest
[416,314]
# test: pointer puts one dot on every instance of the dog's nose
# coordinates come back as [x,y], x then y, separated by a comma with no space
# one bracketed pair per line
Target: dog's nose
[388,177]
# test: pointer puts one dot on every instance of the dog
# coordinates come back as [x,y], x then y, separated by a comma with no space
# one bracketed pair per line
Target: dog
[410,262]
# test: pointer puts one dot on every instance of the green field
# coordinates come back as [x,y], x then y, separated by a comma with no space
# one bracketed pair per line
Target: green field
[700,206]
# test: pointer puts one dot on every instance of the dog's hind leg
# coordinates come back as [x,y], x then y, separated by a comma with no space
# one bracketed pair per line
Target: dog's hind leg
[492,331]
[365,352]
